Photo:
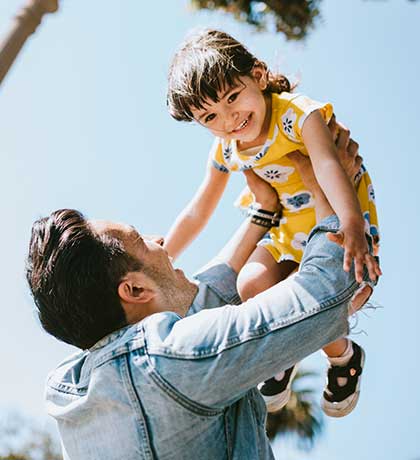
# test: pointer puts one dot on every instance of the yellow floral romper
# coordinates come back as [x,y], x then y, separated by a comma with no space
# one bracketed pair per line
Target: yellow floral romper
[288,240]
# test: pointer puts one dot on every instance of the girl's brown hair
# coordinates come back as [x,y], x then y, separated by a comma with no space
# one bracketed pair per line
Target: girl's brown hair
[209,62]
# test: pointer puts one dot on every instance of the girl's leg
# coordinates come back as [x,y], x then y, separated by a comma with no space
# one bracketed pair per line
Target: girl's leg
[335,349]
[346,360]
[261,272]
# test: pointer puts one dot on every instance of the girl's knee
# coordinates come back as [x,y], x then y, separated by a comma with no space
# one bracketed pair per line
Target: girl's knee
[247,285]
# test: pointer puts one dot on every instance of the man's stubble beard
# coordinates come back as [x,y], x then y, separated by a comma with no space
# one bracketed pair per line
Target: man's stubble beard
[177,294]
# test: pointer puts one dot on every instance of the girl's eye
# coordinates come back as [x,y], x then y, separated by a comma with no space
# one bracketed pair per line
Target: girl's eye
[232,97]
[209,118]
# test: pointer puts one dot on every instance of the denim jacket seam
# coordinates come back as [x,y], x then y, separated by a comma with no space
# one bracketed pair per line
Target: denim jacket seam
[231,298]
[81,387]
[226,417]
[176,395]
[323,305]
[66,388]
[328,227]
[228,295]
[138,409]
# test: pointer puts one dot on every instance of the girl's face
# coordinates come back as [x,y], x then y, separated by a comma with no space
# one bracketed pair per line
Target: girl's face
[242,113]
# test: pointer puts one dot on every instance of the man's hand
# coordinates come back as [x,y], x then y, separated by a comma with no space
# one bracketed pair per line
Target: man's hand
[351,238]
[347,151]
[347,148]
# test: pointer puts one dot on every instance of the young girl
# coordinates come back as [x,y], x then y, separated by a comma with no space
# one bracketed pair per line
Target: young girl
[215,81]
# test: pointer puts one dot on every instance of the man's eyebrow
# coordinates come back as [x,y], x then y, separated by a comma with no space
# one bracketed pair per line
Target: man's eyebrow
[134,229]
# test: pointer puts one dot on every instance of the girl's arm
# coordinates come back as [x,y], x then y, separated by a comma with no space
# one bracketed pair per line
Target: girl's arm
[241,245]
[198,211]
[338,190]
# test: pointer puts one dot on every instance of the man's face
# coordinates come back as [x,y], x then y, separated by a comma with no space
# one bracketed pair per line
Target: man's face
[174,291]
[241,113]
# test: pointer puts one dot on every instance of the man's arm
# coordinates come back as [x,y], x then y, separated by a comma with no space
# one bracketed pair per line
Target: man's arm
[232,348]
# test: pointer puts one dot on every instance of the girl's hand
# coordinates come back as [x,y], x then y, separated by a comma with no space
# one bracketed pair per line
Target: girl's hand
[353,239]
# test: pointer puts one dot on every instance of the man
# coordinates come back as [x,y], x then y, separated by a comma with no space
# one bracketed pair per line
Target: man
[154,382]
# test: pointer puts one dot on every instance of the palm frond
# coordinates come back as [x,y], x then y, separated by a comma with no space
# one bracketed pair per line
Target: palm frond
[302,416]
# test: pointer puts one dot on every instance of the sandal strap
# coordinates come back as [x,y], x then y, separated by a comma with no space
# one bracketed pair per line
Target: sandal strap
[351,371]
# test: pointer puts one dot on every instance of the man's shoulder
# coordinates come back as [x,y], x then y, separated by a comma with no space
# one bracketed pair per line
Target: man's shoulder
[75,371]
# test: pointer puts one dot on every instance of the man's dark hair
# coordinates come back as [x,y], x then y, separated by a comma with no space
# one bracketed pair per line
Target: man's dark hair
[73,274]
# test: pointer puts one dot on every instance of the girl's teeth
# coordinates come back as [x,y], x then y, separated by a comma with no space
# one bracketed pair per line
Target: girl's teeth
[242,125]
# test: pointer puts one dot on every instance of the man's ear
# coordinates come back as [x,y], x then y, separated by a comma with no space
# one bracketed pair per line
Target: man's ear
[134,288]
[260,75]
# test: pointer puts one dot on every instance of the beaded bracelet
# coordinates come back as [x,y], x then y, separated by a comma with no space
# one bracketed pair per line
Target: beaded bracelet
[263,218]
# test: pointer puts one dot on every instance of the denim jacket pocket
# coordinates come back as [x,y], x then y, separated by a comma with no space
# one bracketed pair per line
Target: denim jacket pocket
[178,397]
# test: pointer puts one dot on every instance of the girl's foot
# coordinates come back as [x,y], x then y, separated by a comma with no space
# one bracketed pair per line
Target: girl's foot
[277,390]
[341,393]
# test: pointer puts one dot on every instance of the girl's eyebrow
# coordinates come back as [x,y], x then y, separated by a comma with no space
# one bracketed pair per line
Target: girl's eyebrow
[224,95]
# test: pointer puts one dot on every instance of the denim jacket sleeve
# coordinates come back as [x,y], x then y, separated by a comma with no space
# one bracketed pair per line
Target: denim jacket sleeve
[216,287]
[215,356]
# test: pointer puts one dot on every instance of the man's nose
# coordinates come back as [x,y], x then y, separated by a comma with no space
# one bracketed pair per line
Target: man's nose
[156,239]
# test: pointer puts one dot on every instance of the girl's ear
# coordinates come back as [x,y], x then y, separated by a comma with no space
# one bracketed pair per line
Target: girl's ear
[260,75]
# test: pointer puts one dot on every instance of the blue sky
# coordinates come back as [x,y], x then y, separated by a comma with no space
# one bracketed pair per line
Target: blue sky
[83,124]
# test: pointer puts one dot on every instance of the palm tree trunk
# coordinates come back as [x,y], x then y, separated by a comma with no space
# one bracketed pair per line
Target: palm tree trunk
[25,24]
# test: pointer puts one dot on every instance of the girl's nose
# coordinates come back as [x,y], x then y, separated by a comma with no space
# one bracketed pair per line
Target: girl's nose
[231,120]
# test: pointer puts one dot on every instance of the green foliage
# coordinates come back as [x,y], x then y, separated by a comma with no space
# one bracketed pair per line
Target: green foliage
[20,439]
[301,416]
[293,18]
[14,457]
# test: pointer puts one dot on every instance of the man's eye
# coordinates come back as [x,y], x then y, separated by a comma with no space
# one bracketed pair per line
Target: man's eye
[209,118]
[232,97]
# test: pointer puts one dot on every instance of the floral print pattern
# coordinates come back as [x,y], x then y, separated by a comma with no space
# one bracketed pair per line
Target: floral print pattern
[275,173]
[227,152]
[271,163]
[371,193]
[288,120]
[299,241]
[298,201]
[247,164]
[287,257]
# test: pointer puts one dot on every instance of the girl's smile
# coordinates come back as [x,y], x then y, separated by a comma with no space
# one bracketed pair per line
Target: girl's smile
[242,112]
[243,125]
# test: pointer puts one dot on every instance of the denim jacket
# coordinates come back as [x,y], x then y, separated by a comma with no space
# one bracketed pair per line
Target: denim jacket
[185,388]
